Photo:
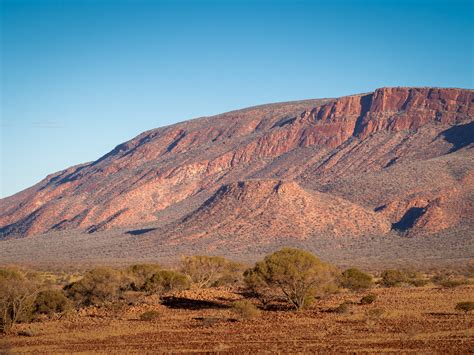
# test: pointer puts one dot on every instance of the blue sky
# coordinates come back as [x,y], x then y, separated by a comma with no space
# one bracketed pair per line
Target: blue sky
[80,77]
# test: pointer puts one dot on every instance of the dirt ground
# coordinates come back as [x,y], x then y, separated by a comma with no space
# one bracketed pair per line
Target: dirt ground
[400,320]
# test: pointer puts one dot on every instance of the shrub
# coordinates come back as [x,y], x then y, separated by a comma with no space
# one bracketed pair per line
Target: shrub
[17,292]
[418,282]
[140,273]
[368,299]
[26,333]
[393,277]
[375,313]
[448,281]
[343,308]
[209,271]
[49,302]
[97,287]
[166,281]
[354,279]
[245,309]
[465,306]
[297,274]
[149,315]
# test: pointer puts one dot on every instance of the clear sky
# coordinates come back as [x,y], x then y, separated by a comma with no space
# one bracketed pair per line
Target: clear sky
[79,77]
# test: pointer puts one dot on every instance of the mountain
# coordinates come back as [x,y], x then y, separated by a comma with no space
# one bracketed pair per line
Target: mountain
[397,160]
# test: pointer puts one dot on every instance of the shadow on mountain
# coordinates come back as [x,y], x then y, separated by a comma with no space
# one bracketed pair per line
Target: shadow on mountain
[409,219]
[459,136]
[140,231]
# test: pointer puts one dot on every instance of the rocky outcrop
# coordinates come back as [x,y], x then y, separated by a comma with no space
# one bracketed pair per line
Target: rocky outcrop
[320,143]
[398,109]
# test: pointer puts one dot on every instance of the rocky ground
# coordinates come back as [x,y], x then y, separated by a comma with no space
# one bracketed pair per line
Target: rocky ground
[401,320]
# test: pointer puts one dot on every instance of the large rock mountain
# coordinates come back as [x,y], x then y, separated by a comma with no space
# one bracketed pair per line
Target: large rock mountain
[398,159]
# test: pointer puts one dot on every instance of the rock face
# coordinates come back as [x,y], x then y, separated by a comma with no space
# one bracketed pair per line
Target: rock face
[361,163]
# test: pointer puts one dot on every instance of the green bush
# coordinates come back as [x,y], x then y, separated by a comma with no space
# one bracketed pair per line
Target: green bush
[354,279]
[149,315]
[245,309]
[140,273]
[166,281]
[17,292]
[97,287]
[210,271]
[295,274]
[368,299]
[49,302]
[393,277]
[465,306]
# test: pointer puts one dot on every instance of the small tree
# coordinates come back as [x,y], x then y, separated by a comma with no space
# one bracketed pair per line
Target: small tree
[297,274]
[97,287]
[17,292]
[354,279]
[166,281]
[208,271]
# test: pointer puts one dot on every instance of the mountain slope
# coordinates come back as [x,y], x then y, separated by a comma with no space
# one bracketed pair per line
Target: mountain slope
[275,208]
[382,153]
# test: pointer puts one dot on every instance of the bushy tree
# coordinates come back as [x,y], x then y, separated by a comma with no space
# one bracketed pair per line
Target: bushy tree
[98,286]
[208,271]
[17,292]
[166,281]
[140,273]
[50,301]
[354,279]
[297,274]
